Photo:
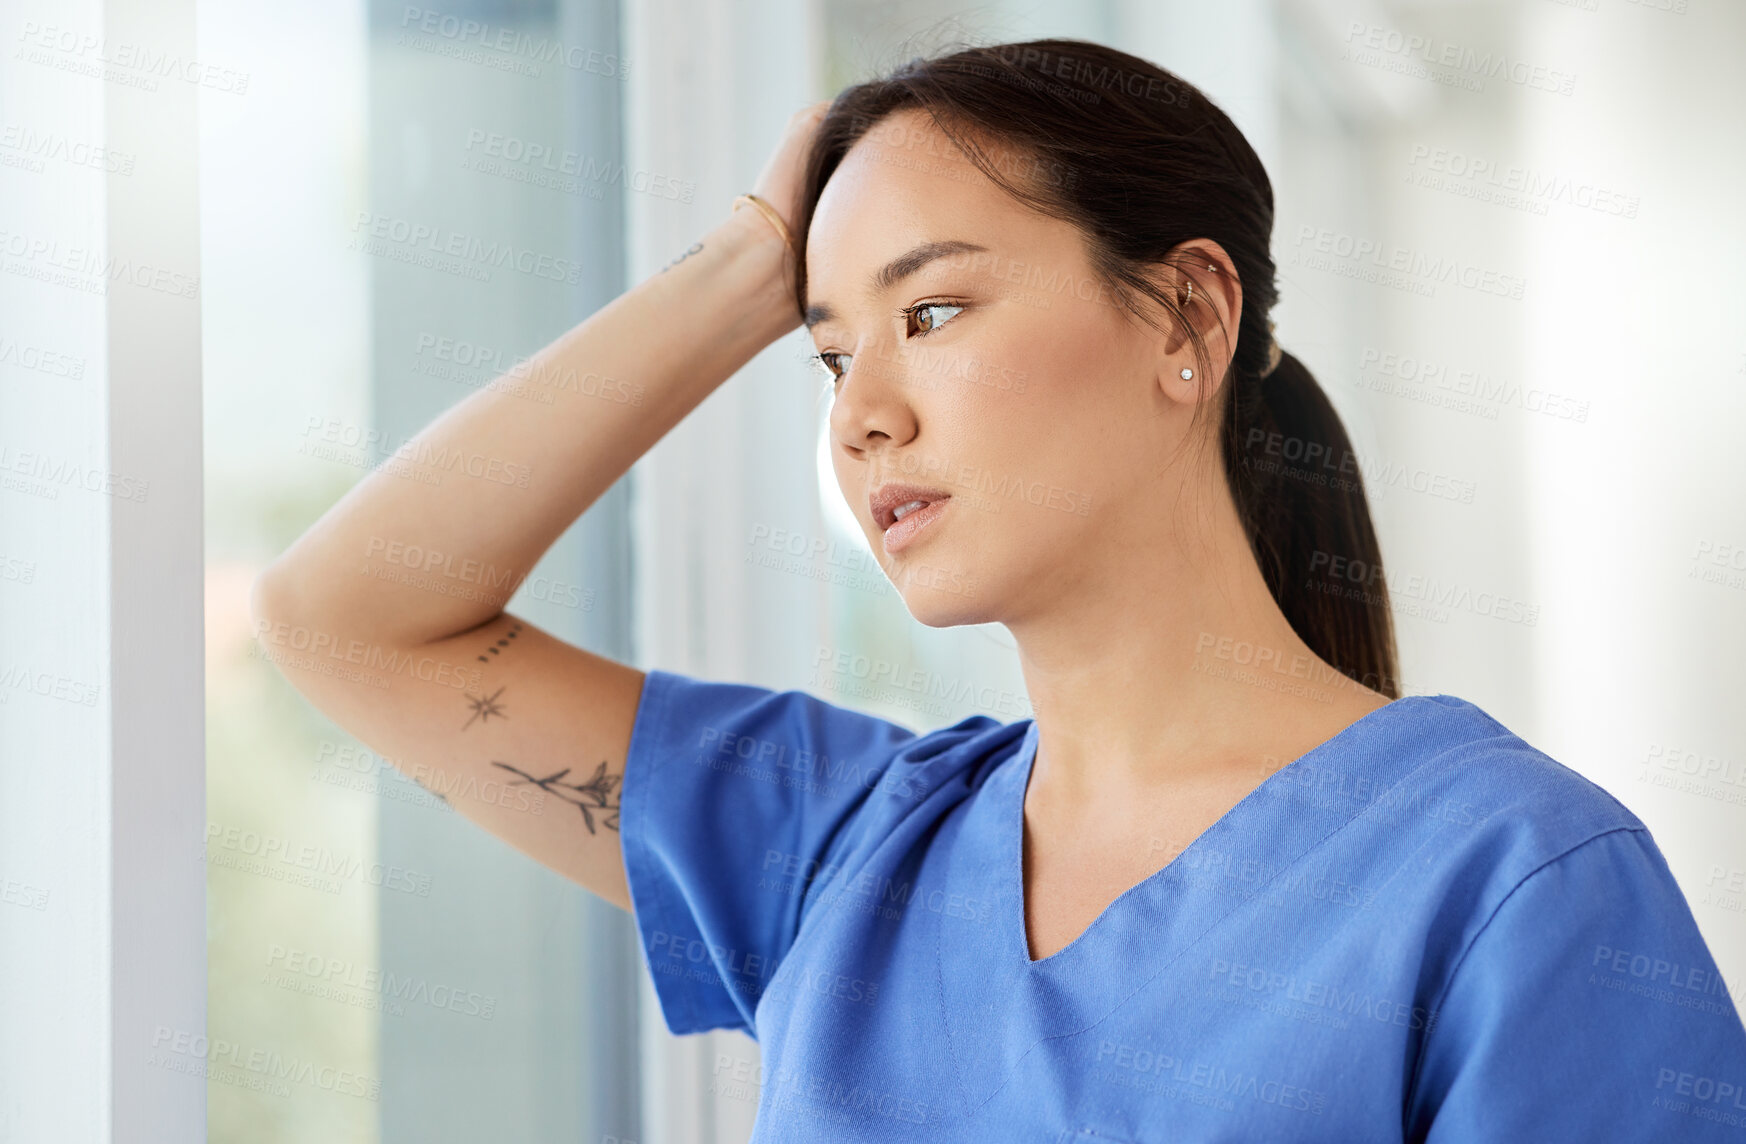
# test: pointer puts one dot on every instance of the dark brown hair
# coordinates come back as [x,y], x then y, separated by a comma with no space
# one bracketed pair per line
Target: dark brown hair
[1141,162]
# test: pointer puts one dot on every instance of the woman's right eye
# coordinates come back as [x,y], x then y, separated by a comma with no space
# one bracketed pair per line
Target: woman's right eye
[833,363]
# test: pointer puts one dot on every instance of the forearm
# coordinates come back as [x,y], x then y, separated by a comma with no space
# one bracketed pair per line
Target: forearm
[667,343]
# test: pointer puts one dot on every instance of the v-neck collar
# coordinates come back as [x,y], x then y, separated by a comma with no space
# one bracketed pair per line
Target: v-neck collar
[998,1003]
[1013,828]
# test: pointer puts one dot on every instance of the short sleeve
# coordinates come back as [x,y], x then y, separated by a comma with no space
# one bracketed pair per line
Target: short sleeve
[732,796]
[1588,1008]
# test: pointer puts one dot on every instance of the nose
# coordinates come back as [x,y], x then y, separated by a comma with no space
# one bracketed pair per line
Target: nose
[873,409]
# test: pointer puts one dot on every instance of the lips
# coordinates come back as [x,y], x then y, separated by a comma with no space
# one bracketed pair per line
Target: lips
[888,498]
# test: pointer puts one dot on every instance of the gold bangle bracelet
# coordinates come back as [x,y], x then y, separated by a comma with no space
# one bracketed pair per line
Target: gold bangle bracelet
[768,212]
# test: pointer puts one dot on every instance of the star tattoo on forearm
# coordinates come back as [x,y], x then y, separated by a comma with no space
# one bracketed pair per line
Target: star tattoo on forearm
[485,708]
[593,795]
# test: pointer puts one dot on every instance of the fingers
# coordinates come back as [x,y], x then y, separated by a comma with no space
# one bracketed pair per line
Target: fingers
[779,183]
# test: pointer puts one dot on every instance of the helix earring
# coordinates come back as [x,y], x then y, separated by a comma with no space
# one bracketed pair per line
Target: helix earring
[1188,296]
[1188,374]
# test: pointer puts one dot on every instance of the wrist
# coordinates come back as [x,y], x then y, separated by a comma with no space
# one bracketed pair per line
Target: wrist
[748,230]
[765,260]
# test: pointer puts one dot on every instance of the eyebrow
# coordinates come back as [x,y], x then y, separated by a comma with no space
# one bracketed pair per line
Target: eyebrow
[896,271]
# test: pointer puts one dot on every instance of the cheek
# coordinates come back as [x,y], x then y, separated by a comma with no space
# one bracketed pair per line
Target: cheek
[1070,448]
[840,466]
[852,494]
[1076,393]
[1069,351]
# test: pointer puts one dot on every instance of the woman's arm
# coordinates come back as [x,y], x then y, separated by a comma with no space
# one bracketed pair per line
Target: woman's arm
[667,343]
[477,705]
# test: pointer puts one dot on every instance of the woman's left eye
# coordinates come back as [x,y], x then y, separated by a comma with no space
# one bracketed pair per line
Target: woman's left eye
[926,317]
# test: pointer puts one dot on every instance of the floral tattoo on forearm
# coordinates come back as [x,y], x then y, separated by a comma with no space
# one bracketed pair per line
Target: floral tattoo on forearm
[597,794]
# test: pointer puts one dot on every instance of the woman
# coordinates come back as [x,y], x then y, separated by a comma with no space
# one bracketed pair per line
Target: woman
[1228,884]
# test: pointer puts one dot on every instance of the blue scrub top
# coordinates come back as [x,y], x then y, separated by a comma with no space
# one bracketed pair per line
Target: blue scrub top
[1424,929]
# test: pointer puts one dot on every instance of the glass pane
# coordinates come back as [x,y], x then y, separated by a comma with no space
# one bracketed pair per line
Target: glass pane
[383,970]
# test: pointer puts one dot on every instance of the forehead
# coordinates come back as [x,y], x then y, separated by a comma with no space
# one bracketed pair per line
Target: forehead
[902,183]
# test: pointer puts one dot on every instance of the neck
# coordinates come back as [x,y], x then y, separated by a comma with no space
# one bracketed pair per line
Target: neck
[1171,665]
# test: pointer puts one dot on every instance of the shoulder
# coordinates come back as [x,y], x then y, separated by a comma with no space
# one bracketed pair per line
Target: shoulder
[1505,788]
[812,742]
[1482,812]
[1436,785]
[755,724]
[975,743]
[947,766]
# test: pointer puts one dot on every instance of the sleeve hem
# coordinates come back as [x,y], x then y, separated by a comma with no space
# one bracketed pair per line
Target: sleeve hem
[648,905]
[1449,982]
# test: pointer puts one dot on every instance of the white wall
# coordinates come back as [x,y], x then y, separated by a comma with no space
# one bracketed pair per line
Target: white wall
[1639,664]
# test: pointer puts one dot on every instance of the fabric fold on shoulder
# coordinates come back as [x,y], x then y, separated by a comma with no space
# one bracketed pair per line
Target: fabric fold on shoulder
[735,799]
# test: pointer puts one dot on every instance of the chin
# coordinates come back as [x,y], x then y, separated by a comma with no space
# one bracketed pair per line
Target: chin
[943,599]
[945,617]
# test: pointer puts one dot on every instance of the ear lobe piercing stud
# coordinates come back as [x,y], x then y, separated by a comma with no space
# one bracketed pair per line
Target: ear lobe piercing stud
[1187,374]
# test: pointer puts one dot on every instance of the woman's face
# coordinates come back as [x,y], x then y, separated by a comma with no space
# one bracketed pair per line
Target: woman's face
[980,357]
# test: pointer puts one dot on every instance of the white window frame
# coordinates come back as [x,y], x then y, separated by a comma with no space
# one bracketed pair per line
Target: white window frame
[708,103]
[102,756]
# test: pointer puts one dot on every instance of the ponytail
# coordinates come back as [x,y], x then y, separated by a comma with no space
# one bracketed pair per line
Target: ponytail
[1300,496]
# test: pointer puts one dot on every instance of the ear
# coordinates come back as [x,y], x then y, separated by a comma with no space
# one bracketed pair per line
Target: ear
[1203,280]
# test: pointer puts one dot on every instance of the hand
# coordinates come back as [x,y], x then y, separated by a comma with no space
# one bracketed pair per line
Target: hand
[779,183]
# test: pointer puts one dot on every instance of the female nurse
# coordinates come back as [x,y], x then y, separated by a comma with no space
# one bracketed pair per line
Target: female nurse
[1228,884]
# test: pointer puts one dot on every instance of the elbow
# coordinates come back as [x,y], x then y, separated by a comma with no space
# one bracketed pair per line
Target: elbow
[271,598]
[298,601]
